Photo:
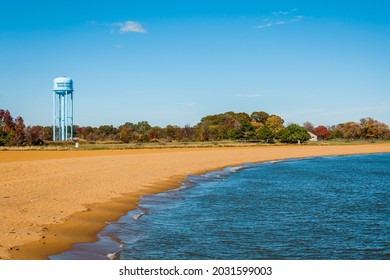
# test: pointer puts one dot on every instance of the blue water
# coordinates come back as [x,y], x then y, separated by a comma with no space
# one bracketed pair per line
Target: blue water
[316,208]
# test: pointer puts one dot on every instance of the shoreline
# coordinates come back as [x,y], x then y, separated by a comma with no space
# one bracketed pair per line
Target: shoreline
[120,178]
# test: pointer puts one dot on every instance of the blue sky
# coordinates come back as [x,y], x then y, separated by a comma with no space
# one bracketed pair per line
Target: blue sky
[173,62]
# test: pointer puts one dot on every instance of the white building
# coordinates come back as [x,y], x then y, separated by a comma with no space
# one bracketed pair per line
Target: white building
[313,137]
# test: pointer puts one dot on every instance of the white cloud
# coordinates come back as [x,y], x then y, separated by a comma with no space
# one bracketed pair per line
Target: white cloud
[129,26]
[285,12]
[297,18]
[264,25]
[280,18]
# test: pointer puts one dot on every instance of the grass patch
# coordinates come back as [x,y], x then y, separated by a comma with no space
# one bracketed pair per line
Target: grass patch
[85,146]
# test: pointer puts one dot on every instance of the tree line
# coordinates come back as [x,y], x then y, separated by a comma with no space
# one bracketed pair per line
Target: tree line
[258,126]
[367,128]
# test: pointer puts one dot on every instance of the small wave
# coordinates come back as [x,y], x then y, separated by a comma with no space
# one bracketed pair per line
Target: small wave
[137,216]
[112,256]
[117,254]
[237,168]
[187,185]
[193,180]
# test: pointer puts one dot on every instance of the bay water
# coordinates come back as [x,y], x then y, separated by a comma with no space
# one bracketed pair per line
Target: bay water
[313,208]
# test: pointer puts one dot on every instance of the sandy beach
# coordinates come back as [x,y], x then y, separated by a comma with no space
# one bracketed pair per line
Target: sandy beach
[52,199]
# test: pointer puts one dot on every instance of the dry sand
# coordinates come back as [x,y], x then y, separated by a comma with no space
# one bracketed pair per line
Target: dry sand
[50,200]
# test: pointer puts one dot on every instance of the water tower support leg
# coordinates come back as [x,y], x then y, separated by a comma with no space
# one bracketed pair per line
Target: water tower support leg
[59,117]
[54,116]
[62,117]
[66,115]
[71,120]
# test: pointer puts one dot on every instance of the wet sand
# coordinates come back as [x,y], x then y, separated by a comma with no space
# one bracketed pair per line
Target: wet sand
[52,199]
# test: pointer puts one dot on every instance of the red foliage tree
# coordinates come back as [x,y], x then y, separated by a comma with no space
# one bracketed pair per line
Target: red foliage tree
[322,132]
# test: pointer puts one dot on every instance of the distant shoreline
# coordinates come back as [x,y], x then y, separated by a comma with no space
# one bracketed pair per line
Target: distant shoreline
[53,199]
[108,145]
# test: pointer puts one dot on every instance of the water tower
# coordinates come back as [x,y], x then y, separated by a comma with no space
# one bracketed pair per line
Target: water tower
[63,109]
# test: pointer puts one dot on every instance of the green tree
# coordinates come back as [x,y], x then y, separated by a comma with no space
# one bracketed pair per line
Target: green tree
[2,136]
[170,132]
[47,133]
[336,132]
[142,127]
[293,133]
[106,132]
[229,125]
[259,117]
[264,133]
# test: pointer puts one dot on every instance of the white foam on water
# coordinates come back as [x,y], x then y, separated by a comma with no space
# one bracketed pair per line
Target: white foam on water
[137,216]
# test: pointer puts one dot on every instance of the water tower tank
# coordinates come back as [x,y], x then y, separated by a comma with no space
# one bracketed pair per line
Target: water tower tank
[63,84]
